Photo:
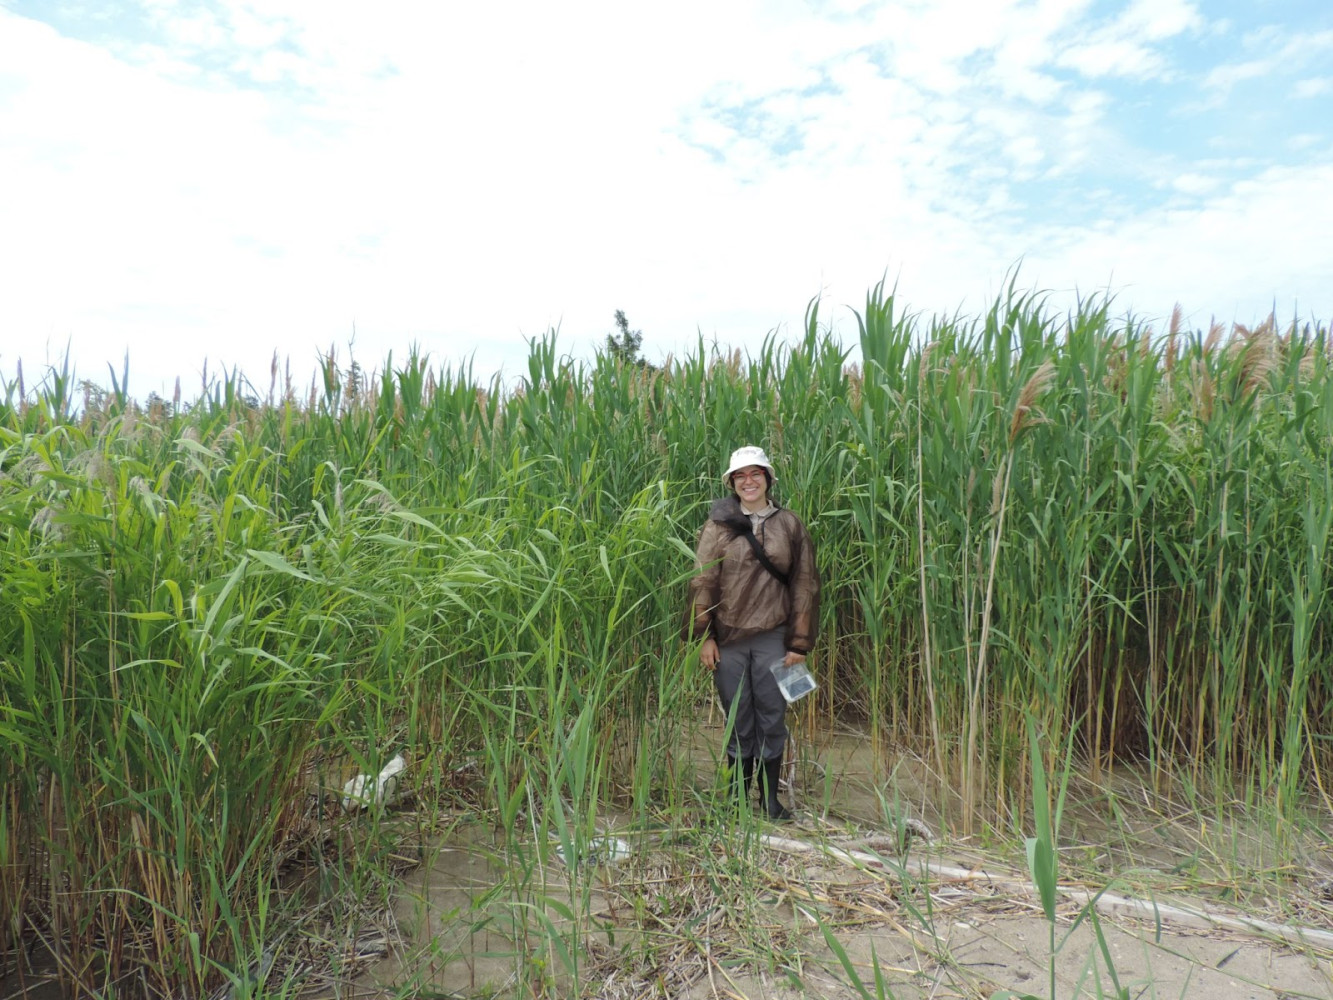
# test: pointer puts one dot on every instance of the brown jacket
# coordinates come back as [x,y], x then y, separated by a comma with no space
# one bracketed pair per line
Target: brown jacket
[734,597]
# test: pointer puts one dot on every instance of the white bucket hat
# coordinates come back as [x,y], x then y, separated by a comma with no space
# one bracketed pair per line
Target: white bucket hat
[747,456]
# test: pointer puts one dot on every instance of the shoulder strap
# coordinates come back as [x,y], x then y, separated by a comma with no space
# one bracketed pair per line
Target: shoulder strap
[762,556]
[727,511]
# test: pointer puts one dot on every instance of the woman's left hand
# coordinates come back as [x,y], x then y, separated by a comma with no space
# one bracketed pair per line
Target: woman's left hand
[793,658]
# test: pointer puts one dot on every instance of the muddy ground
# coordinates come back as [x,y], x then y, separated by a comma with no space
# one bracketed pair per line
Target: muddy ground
[741,910]
[837,905]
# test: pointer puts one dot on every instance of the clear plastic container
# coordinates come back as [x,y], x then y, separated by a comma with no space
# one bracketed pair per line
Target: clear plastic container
[794,681]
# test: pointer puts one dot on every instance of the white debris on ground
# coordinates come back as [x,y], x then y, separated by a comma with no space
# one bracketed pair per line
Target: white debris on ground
[600,851]
[385,789]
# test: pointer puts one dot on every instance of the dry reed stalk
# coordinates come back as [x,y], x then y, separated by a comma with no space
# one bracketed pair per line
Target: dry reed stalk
[1025,416]
[1179,915]
[927,655]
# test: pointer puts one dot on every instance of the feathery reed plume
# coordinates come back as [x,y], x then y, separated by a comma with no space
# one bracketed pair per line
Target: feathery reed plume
[1203,391]
[927,353]
[1173,331]
[176,396]
[45,523]
[29,469]
[1309,359]
[138,484]
[382,500]
[1025,415]
[93,464]
[272,377]
[1258,357]
[852,373]
[1117,364]
[1214,337]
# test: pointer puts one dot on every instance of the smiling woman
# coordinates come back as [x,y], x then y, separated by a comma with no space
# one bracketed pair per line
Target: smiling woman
[755,601]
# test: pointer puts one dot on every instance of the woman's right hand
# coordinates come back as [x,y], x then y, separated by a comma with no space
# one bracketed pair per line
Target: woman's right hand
[709,654]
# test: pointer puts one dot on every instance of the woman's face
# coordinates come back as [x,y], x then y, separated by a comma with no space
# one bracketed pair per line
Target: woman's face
[751,485]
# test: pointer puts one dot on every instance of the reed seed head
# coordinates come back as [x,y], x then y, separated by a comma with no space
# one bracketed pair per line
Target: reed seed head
[1025,413]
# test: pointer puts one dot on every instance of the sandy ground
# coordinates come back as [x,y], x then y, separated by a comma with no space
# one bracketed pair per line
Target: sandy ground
[702,935]
[974,943]
[739,910]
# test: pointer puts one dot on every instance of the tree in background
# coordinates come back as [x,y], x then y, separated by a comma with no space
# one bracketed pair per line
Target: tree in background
[626,346]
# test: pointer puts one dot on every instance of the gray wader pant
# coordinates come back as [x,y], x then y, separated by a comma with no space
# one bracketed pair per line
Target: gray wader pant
[743,678]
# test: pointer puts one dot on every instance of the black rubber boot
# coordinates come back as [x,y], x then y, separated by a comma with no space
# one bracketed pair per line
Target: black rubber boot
[776,810]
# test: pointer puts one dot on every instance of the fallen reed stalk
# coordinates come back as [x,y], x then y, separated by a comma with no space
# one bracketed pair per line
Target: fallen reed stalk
[930,873]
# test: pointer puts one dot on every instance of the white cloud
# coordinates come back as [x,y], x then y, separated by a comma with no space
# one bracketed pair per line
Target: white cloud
[1303,141]
[267,175]
[1282,53]
[1217,257]
[1317,86]
[1157,20]
[1195,184]
[1225,77]
[1113,58]
[1130,45]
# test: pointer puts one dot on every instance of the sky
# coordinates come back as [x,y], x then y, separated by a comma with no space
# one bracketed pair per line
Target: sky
[202,186]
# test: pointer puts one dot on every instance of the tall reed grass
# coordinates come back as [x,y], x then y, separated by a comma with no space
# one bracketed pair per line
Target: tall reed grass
[208,607]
